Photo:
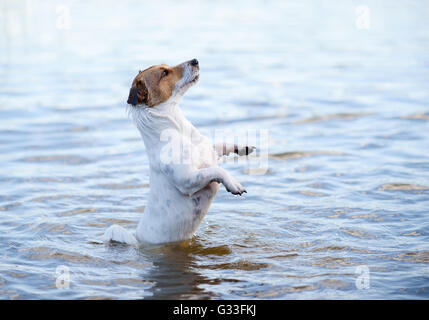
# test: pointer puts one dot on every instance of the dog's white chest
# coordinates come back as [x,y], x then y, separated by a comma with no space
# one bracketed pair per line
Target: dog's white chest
[170,214]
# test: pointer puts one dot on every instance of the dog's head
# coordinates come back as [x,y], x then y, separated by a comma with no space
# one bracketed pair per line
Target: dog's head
[160,83]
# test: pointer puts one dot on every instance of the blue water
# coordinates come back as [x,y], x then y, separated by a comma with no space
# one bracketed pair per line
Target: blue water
[347,185]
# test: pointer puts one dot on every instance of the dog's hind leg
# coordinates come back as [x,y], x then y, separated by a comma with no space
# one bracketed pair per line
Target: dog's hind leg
[224,149]
[117,233]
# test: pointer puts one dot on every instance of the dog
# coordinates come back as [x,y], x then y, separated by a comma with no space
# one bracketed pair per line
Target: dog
[184,172]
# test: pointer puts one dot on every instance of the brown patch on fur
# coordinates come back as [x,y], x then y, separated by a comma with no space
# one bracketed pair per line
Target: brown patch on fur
[154,85]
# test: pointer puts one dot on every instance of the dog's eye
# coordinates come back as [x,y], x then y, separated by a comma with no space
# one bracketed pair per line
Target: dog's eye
[164,73]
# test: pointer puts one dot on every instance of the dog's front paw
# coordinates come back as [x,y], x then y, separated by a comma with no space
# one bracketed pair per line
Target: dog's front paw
[244,150]
[234,187]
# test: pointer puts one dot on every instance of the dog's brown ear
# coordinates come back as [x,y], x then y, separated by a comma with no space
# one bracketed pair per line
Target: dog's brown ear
[133,98]
[138,94]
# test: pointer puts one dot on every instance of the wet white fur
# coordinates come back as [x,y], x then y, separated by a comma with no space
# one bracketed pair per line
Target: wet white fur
[181,190]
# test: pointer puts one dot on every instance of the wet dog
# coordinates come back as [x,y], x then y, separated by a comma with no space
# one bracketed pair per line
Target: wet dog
[184,173]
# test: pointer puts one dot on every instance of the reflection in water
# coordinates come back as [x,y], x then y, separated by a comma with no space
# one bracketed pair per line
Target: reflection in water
[175,272]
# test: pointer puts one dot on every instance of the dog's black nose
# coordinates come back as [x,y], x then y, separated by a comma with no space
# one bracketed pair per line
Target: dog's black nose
[194,62]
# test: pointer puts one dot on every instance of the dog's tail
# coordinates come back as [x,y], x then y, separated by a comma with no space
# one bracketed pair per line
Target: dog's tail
[118,234]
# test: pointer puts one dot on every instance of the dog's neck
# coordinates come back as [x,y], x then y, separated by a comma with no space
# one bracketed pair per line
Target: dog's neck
[153,121]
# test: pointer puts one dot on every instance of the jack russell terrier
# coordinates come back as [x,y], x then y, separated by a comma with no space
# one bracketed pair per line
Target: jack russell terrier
[184,174]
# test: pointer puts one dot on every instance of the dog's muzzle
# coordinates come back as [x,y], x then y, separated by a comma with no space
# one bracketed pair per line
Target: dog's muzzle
[191,74]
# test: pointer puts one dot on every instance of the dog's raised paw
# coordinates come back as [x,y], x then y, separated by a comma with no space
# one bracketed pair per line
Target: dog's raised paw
[244,151]
[235,188]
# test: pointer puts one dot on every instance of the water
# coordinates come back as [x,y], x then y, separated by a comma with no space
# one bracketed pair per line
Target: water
[347,187]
